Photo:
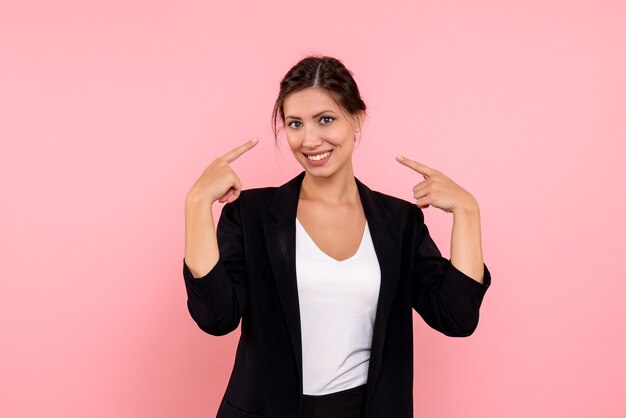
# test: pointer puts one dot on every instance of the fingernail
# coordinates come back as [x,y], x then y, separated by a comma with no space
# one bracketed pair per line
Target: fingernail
[399,157]
[255,140]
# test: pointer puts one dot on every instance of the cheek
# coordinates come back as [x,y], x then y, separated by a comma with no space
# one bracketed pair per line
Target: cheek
[338,136]
[294,140]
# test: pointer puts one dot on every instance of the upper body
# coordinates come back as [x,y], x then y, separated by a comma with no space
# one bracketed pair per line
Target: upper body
[254,281]
[246,268]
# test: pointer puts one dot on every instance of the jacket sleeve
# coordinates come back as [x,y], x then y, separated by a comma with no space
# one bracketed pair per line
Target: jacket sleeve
[217,300]
[447,299]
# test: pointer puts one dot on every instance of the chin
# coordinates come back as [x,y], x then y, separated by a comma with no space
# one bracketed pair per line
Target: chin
[319,171]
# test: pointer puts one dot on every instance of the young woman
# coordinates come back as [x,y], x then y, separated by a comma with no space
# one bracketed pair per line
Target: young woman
[323,272]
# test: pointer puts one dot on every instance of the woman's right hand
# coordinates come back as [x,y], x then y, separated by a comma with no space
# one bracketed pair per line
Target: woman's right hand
[219,181]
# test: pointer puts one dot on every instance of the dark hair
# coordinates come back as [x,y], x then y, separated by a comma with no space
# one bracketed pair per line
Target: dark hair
[324,72]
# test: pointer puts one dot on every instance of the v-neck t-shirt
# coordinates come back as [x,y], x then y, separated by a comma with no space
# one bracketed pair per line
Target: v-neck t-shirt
[338,301]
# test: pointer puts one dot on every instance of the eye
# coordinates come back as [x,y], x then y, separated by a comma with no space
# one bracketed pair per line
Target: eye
[325,120]
[291,124]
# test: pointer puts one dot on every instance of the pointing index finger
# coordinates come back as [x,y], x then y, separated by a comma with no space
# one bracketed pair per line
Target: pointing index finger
[414,165]
[240,150]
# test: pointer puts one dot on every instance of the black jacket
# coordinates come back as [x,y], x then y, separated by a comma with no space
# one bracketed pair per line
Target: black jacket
[255,281]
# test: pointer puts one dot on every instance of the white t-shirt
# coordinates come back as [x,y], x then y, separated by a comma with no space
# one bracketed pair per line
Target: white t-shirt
[338,302]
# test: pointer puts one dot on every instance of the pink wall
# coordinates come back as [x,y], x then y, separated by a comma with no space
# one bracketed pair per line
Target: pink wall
[109,111]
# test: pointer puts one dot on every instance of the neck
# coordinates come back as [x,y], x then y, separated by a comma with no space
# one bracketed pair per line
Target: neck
[340,188]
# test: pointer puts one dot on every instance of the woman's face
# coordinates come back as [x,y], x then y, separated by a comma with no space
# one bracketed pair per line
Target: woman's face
[319,134]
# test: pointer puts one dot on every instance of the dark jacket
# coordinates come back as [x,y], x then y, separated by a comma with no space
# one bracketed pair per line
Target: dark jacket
[255,281]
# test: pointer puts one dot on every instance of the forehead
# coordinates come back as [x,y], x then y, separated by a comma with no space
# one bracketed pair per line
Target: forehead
[308,102]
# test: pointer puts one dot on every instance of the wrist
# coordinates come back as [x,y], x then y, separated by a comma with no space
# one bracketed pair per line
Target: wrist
[193,200]
[469,209]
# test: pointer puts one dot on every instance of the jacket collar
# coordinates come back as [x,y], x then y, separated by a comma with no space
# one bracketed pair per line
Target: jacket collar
[280,241]
[285,203]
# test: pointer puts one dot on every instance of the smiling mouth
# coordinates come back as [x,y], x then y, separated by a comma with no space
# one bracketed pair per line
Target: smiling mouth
[318,157]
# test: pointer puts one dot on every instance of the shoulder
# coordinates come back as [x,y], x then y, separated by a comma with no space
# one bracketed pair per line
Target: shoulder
[254,199]
[283,199]
[261,199]
[395,207]
[402,210]
[392,202]
[248,209]
[258,194]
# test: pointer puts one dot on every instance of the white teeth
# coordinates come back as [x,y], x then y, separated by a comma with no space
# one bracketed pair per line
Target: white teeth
[318,156]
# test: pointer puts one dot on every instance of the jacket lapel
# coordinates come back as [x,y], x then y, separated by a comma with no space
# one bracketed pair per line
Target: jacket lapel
[280,239]
[387,246]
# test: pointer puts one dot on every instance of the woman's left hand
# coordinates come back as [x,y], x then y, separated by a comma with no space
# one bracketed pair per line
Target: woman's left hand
[438,190]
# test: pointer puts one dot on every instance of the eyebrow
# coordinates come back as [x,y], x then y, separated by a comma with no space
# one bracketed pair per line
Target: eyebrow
[314,116]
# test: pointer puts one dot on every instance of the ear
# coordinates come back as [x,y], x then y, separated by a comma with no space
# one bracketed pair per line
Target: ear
[359,120]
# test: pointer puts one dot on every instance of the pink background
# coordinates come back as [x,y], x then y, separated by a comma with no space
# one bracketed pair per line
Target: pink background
[109,111]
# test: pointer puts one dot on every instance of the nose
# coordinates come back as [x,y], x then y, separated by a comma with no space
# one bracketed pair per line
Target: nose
[311,139]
